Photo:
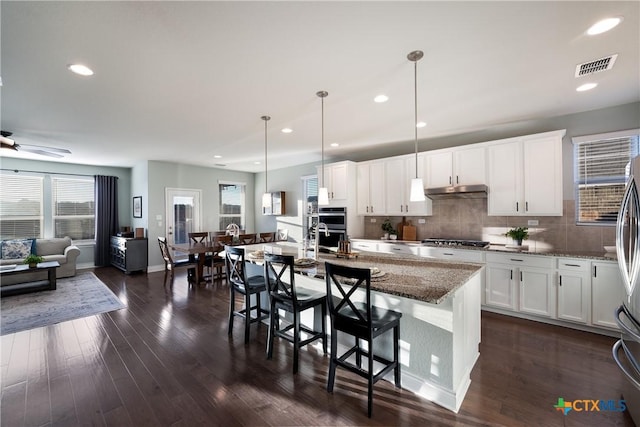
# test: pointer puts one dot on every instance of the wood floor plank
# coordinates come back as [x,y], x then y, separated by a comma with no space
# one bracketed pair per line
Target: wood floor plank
[166,359]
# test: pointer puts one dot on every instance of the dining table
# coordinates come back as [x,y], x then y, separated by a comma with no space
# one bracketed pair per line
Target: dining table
[201,249]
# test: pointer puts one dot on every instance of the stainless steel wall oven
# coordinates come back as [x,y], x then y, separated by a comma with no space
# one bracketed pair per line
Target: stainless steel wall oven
[336,220]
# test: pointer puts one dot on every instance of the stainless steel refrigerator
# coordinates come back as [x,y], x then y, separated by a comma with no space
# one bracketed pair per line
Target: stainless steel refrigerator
[626,351]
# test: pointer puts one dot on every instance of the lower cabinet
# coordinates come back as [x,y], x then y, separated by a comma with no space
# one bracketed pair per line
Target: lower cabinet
[574,290]
[537,291]
[607,293]
[500,287]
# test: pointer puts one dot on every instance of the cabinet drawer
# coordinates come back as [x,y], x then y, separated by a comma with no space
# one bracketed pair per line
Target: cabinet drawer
[519,259]
[452,254]
[364,246]
[573,264]
[400,249]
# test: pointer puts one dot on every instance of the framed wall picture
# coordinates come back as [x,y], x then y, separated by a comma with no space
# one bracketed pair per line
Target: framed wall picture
[137,207]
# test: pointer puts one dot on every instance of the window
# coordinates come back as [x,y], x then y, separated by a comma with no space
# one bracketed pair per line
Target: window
[21,200]
[73,208]
[232,204]
[310,194]
[600,163]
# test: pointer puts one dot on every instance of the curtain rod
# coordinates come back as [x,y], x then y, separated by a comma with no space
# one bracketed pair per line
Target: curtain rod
[50,173]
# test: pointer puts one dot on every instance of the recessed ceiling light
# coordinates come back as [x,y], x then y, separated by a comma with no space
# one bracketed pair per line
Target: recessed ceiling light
[421,124]
[381,98]
[287,130]
[217,156]
[80,69]
[335,144]
[586,86]
[604,25]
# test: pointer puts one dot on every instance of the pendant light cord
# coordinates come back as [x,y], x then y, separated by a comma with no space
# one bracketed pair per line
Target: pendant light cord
[415,105]
[322,94]
[266,119]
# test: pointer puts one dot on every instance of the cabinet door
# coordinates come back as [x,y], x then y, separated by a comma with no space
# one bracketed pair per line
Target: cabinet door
[439,169]
[338,187]
[543,176]
[504,179]
[573,296]
[377,188]
[500,289]
[607,293]
[537,292]
[396,186]
[362,188]
[469,166]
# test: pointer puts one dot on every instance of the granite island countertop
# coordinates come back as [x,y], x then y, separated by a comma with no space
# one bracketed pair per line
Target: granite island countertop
[406,276]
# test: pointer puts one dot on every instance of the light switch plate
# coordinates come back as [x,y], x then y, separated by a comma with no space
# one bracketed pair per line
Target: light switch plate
[373,220]
[158,217]
[533,222]
[422,221]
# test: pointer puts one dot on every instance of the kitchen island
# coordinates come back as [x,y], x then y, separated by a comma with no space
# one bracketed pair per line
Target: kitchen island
[440,326]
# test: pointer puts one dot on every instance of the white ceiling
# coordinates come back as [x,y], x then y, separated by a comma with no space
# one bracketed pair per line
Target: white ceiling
[184,81]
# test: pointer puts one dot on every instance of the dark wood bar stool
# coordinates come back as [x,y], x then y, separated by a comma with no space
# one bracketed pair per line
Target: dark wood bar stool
[361,320]
[283,295]
[246,285]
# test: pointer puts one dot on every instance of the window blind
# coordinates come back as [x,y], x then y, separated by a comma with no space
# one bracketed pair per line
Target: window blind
[232,204]
[600,177]
[74,208]
[21,200]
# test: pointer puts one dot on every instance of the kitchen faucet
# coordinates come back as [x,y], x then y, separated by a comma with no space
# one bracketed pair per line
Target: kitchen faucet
[326,233]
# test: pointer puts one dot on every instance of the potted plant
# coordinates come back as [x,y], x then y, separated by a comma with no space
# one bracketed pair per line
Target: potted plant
[388,229]
[33,260]
[518,234]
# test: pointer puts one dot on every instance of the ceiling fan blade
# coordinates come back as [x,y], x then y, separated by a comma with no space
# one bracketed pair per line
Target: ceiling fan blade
[42,147]
[38,151]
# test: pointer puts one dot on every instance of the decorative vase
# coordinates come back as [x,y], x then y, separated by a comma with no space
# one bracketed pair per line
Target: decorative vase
[393,236]
[33,264]
[519,242]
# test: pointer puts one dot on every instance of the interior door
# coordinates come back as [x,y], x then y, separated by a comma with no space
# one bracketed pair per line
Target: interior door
[183,213]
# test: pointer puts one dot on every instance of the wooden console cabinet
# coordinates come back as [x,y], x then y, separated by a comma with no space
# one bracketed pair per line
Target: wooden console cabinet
[129,254]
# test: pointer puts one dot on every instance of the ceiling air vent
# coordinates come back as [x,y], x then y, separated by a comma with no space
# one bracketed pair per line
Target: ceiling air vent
[596,66]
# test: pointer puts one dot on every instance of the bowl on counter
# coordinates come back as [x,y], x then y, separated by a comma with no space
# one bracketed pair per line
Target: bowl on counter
[609,248]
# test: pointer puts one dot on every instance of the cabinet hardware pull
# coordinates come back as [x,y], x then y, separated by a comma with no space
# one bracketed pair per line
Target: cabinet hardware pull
[526,206]
[401,208]
[572,265]
[449,180]
[511,278]
[371,209]
[445,253]
[457,180]
[515,259]
[517,207]
[367,209]
[521,281]
[406,208]
[561,280]
[595,271]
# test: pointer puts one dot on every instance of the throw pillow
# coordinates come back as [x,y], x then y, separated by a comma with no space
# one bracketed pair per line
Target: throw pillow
[16,249]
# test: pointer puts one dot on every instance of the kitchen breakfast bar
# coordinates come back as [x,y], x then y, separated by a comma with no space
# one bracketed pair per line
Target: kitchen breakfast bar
[440,303]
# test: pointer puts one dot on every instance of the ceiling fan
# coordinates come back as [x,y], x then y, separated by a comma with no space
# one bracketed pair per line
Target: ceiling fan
[6,142]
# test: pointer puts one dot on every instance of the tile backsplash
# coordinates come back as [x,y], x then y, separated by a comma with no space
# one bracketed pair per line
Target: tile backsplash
[468,219]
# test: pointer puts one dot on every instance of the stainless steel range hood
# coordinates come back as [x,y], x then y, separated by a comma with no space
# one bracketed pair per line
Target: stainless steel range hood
[475,191]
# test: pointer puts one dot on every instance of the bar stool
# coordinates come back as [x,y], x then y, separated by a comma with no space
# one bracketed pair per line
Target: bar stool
[246,285]
[361,320]
[283,295]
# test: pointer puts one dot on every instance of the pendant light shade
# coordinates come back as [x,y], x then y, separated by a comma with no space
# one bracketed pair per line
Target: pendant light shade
[266,197]
[417,186]
[323,192]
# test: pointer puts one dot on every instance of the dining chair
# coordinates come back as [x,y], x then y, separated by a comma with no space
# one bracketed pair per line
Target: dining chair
[202,237]
[284,295]
[266,237]
[282,235]
[246,285]
[170,265]
[247,239]
[218,260]
[365,322]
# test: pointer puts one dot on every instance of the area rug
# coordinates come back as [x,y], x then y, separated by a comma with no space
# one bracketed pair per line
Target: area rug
[75,297]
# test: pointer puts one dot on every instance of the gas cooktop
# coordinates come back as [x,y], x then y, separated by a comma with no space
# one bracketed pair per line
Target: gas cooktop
[456,242]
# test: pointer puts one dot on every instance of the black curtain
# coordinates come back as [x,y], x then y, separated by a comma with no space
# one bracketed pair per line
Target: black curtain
[106,216]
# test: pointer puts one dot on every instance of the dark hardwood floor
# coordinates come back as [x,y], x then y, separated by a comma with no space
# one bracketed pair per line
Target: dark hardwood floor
[167,360]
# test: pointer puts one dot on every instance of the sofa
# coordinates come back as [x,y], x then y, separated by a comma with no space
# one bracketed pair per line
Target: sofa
[57,249]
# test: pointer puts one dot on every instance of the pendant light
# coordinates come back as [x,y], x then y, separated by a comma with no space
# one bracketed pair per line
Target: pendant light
[417,187]
[323,193]
[266,197]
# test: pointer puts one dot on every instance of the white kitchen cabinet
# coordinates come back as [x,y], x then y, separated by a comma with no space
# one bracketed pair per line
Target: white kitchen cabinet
[574,290]
[525,176]
[521,283]
[456,166]
[340,180]
[398,249]
[399,171]
[371,185]
[452,254]
[364,245]
[607,293]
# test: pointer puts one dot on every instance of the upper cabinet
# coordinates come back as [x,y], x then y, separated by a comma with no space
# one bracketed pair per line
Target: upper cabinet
[340,180]
[399,171]
[457,166]
[371,188]
[525,175]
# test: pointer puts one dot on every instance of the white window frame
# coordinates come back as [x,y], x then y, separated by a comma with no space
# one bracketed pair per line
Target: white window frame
[243,207]
[7,198]
[54,216]
[617,178]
